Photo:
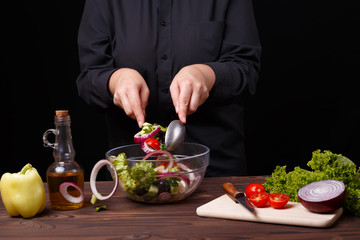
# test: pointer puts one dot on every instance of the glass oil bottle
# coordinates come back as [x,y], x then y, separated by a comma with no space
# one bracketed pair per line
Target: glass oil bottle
[64,168]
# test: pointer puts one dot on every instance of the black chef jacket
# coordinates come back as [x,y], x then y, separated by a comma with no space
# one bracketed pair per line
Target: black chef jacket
[159,37]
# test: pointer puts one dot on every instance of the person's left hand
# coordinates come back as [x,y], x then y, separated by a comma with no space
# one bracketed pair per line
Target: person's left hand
[190,88]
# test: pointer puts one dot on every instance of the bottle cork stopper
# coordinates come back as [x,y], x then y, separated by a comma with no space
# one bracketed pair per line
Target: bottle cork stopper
[62,113]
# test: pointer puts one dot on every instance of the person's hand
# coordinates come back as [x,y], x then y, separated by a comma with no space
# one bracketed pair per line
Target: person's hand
[130,92]
[190,88]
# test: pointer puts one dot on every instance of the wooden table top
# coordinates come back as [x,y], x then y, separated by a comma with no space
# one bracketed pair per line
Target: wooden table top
[125,219]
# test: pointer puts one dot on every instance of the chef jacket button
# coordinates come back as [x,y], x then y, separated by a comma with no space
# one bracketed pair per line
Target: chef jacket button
[165,90]
[164,57]
[163,23]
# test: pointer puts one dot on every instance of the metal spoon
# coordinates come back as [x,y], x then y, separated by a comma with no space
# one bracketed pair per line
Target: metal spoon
[175,135]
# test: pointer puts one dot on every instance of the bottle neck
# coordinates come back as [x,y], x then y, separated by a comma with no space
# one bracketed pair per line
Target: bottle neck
[64,150]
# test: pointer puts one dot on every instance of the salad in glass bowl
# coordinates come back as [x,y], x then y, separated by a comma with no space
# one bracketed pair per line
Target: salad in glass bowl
[149,173]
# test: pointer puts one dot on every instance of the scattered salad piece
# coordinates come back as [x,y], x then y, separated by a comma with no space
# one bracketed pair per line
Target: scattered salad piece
[93,199]
[324,166]
[100,208]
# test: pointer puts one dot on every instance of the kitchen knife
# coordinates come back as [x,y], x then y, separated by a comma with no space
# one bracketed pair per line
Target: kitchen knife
[238,197]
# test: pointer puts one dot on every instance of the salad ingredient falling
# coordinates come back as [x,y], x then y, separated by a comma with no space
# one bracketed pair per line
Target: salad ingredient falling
[151,137]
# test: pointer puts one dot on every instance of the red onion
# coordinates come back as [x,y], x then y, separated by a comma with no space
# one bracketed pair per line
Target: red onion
[145,147]
[63,188]
[323,196]
[94,174]
[186,168]
[138,138]
[157,153]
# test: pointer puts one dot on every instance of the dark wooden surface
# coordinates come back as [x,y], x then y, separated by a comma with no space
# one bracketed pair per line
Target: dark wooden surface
[126,219]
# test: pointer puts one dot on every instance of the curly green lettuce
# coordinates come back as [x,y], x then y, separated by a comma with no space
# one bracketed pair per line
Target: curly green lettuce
[324,165]
[140,176]
[144,174]
[123,170]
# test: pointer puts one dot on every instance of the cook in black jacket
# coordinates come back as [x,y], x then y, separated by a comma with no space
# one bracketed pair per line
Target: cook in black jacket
[165,59]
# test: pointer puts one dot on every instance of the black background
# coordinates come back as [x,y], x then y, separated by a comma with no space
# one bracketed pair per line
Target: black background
[307,95]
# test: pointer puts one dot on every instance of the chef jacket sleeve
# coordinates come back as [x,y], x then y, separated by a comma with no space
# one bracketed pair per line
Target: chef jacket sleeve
[237,67]
[95,55]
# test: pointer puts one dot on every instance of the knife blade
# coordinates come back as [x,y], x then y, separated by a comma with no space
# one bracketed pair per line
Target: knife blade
[238,197]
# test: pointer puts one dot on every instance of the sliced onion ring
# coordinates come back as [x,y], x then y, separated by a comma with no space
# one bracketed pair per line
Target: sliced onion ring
[157,153]
[322,196]
[94,174]
[63,188]
[138,138]
[145,147]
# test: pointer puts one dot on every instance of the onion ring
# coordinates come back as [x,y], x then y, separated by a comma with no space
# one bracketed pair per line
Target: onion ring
[157,153]
[63,188]
[145,147]
[138,138]
[94,174]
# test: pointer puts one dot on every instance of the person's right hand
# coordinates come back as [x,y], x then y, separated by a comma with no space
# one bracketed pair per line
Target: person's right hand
[130,92]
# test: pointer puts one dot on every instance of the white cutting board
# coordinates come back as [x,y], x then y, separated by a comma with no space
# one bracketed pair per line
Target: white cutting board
[292,214]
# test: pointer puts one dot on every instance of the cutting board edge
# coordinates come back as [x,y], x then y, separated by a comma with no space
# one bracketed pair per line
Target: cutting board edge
[285,222]
[208,210]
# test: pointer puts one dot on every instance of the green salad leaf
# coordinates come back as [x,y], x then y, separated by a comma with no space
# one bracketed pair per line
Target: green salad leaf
[324,165]
[140,176]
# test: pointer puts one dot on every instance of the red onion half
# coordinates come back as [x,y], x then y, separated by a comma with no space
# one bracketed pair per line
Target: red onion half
[94,174]
[323,196]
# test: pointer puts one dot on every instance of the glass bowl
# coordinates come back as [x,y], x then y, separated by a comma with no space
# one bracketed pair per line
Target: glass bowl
[158,180]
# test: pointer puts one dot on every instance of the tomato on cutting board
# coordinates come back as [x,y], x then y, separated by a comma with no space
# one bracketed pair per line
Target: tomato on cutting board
[153,143]
[254,188]
[259,199]
[278,200]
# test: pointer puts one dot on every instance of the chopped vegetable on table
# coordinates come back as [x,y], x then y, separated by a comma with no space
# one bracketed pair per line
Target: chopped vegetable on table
[324,165]
[100,208]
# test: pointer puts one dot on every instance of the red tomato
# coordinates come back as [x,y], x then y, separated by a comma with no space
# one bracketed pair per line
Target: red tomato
[259,199]
[153,143]
[254,188]
[166,164]
[278,200]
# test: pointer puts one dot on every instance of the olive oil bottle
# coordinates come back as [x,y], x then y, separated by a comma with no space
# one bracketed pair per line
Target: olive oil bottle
[64,168]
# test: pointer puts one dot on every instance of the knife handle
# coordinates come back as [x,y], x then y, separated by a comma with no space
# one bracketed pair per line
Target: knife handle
[229,188]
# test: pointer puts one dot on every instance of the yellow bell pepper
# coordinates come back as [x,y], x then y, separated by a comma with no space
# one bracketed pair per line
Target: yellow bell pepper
[23,193]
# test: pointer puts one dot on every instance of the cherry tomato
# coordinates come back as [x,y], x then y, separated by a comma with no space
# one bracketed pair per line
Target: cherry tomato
[278,200]
[166,164]
[153,143]
[259,199]
[253,188]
